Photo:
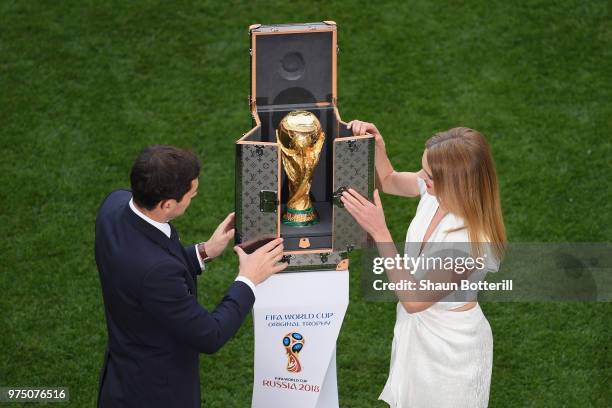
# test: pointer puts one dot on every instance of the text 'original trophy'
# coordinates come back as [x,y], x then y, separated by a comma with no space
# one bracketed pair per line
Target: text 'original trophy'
[301,139]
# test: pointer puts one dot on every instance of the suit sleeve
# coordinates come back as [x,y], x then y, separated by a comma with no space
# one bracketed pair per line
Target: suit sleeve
[194,263]
[165,296]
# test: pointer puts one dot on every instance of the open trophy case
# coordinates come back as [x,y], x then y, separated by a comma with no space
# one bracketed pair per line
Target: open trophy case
[293,68]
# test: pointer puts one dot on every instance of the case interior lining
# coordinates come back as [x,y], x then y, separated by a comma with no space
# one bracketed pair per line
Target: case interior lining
[294,68]
[322,181]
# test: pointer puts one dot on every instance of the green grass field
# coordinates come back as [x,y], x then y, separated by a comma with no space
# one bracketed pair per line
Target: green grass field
[85,85]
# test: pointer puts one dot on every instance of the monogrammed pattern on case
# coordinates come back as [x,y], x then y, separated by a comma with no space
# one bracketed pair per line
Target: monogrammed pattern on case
[313,261]
[257,171]
[353,167]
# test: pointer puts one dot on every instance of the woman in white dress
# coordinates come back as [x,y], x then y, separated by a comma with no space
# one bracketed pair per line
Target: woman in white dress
[442,345]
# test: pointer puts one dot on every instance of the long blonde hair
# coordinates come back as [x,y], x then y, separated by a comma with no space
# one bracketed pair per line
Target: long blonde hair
[465,182]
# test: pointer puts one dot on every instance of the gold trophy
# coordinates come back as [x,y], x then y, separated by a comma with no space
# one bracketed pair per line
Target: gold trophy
[301,139]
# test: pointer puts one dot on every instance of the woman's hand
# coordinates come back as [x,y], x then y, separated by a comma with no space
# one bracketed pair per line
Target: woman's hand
[370,216]
[361,128]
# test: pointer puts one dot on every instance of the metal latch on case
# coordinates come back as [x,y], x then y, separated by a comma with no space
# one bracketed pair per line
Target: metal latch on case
[267,201]
[304,243]
[344,262]
[337,195]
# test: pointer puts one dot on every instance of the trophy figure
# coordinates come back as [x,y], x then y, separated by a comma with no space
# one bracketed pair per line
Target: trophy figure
[301,139]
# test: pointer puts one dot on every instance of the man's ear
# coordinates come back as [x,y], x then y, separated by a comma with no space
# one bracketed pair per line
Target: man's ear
[167,205]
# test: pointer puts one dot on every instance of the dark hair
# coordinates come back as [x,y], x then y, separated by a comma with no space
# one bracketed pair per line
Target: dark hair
[162,173]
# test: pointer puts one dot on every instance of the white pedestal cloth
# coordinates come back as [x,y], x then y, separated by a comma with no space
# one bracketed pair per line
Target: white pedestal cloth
[297,318]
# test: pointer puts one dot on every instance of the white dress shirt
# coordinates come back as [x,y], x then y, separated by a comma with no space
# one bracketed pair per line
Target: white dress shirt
[165,228]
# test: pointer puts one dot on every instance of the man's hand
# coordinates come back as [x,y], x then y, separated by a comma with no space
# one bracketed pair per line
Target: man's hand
[262,263]
[219,239]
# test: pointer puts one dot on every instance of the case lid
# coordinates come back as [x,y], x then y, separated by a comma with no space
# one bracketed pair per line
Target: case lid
[293,63]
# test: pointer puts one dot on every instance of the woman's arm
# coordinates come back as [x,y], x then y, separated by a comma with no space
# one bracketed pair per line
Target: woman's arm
[371,217]
[388,180]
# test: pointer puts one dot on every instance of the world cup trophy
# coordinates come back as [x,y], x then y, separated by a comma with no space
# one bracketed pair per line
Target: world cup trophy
[301,139]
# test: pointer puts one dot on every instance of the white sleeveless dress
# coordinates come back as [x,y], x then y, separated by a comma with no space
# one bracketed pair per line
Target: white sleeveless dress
[440,358]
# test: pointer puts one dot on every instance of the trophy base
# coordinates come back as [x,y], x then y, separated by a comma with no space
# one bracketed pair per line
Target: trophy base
[300,218]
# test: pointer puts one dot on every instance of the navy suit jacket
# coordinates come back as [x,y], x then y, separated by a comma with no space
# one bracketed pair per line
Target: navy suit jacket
[156,328]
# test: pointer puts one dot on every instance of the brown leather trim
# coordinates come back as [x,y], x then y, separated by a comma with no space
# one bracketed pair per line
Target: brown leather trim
[247,134]
[278,192]
[338,121]
[310,251]
[366,136]
[253,65]
[256,117]
[334,188]
[310,30]
[256,143]
[334,66]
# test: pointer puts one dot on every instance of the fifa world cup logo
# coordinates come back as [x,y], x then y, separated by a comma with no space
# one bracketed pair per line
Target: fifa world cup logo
[293,342]
[301,139]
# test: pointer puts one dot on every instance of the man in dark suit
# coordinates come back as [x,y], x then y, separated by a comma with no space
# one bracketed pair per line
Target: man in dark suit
[156,328]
